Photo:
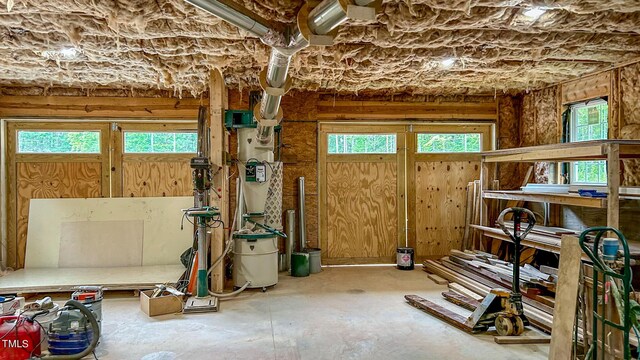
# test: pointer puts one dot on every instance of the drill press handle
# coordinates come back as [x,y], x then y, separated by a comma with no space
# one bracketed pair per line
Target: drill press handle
[517,219]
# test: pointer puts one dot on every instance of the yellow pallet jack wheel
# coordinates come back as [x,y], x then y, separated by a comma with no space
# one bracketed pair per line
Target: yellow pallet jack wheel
[504,326]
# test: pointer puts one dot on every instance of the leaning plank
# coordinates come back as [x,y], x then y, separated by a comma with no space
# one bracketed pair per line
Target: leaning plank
[438,311]
[461,300]
[508,340]
[437,279]
[566,298]
[463,291]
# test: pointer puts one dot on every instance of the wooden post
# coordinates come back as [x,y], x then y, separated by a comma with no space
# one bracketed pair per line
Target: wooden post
[613,183]
[218,102]
[566,299]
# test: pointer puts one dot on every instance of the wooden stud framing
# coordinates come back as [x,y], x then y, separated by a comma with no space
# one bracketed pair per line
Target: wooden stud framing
[218,102]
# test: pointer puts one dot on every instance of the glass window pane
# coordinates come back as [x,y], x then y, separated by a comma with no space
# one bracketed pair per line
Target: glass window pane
[61,142]
[160,142]
[449,143]
[362,144]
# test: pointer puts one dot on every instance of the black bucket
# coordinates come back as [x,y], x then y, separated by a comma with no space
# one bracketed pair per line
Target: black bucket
[404,257]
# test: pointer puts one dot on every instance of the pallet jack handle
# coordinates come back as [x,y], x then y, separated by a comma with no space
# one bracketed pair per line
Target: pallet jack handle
[516,237]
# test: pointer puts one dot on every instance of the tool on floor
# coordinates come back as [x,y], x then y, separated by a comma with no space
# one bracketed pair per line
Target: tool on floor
[10,304]
[71,334]
[610,266]
[503,308]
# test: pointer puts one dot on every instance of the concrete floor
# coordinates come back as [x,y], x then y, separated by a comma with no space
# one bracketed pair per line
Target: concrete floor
[341,313]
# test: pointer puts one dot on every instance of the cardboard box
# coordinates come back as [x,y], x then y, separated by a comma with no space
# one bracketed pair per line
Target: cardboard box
[160,305]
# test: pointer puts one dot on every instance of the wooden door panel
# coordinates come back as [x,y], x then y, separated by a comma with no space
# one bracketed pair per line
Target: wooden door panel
[440,204]
[144,179]
[361,210]
[46,180]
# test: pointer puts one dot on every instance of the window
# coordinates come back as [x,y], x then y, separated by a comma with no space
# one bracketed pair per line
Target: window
[160,142]
[589,121]
[448,143]
[58,142]
[362,144]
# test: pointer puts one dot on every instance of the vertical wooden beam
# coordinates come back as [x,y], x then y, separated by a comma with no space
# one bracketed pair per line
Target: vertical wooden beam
[323,228]
[117,148]
[218,102]
[566,299]
[613,184]
[401,195]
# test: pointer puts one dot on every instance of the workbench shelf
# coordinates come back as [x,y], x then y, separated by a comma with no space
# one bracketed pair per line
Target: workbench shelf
[611,151]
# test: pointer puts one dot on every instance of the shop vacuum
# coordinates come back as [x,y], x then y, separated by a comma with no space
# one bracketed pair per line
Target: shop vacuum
[73,334]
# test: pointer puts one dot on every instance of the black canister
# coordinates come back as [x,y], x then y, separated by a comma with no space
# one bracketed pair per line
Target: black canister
[404,257]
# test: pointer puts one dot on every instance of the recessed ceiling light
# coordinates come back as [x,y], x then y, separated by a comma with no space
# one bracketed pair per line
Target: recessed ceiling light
[448,62]
[534,13]
[67,53]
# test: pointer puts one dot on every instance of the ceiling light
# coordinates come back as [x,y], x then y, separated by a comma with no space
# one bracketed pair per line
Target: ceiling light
[448,62]
[68,53]
[534,13]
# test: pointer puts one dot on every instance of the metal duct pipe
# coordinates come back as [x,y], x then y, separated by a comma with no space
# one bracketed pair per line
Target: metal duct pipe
[326,16]
[303,228]
[251,23]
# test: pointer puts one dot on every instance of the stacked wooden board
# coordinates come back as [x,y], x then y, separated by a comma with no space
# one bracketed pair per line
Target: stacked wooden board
[474,274]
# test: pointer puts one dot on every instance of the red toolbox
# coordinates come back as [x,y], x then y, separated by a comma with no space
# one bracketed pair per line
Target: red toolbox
[20,339]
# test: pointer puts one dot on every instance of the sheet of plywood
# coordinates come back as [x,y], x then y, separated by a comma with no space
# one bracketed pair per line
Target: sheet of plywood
[440,204]
[362,209]
[38,180]
[163,241]
[101,243]
[566,298]
[113,278]
[156,178]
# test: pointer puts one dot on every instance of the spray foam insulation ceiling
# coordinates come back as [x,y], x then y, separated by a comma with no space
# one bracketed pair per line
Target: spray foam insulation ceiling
[171,45]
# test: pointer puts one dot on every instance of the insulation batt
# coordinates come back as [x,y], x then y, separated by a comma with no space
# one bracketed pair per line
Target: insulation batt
[171,45]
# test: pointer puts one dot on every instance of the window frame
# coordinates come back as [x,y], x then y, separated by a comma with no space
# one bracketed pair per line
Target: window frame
[395,146]
[480,142]
[168,131]
[54,130]
[573,132]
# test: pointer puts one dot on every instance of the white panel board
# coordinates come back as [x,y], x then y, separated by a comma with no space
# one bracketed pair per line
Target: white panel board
[163,241]
[101,243]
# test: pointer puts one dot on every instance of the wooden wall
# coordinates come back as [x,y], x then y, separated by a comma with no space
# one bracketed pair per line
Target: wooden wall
[88,175]
[540,118]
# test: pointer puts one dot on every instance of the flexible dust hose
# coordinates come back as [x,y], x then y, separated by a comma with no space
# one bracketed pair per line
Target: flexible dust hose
[226,295]
[95,328]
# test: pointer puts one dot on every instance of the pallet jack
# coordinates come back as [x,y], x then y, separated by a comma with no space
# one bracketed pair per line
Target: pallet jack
[503,308]
[500,308]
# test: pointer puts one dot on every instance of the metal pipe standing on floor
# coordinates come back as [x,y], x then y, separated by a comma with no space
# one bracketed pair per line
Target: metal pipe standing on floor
[291,236]
[303,230]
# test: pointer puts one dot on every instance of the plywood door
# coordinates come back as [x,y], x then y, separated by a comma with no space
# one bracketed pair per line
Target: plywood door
[42,176]
[149,175]
[146,177]
[440,203]
[362,210]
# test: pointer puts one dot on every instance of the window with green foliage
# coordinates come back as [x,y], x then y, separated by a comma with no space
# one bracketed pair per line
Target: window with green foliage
[362,144]
[58,142]
[589,121]
[160,142]
[448,143]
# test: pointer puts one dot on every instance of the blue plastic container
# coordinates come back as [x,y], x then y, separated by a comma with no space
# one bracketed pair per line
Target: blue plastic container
[73,343]
[610,248]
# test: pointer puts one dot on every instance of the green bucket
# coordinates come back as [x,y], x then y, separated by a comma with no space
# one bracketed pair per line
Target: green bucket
[299,264]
